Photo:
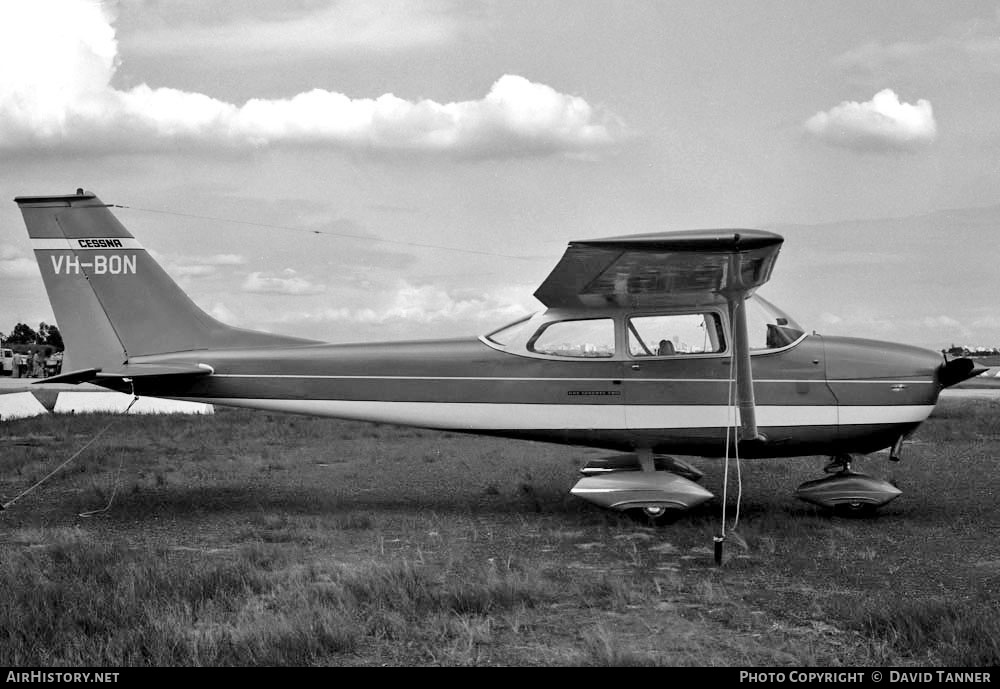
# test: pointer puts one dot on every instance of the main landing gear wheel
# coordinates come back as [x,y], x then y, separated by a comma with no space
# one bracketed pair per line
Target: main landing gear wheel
[855,509]
[653,515]
[638,485]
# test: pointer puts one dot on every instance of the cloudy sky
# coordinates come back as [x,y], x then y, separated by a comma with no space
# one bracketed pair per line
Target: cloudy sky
[382,169]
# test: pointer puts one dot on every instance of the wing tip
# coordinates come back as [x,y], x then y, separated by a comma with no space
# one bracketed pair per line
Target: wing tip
[80,195]
[691,240]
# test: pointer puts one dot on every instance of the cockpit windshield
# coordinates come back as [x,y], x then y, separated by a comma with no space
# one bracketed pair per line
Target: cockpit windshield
[503,336]
[768,326]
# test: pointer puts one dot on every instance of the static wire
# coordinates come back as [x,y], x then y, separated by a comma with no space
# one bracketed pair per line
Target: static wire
[345,235]
[731,426]
[52,473]
[9,503]
[114,491]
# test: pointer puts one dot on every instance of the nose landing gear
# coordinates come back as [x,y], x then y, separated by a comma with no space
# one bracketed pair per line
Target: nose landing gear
[847,492]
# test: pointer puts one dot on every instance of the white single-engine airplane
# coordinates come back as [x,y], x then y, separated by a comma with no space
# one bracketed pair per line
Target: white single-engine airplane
[650,344]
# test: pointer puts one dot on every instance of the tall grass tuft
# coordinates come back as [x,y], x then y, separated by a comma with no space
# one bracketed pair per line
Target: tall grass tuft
[605,648]
[407,589]
[87,602]
[961,633]
[77,601]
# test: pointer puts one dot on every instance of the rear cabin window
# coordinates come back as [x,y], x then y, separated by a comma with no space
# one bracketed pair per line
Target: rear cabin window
[675,334]
[581,339]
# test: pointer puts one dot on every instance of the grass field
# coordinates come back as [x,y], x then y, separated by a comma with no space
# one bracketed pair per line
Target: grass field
[253,538]
[987,380]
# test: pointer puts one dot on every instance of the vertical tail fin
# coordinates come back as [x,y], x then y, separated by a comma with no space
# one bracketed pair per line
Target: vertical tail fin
[111,300]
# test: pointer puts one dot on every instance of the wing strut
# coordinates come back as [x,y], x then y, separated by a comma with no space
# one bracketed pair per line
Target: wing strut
[745,401]
[736,294]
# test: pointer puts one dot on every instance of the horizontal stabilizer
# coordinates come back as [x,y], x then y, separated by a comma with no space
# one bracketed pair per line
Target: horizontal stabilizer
[129,371]
[82,375]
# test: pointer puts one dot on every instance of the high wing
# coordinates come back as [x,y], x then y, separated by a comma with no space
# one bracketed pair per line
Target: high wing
[673,269]
[662,269]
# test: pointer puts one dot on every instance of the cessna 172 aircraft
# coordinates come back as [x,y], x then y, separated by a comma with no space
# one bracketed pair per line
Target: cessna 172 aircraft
[649,344]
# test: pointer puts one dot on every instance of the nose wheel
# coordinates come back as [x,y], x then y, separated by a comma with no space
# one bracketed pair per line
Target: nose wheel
[855,510]
[840,464]
[846,492]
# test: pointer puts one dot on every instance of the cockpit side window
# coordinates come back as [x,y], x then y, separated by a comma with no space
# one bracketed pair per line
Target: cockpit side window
[675,334]
[580,339]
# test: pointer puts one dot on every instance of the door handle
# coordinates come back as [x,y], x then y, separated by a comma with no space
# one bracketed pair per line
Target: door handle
[636,367]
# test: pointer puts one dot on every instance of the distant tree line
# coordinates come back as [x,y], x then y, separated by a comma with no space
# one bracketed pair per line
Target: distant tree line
[23,336]
[956,350]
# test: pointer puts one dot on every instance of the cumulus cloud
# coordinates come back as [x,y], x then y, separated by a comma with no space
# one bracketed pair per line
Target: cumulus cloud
[13,264]
[880,125]
[989,321]
[196,266]
[279,30]
[945,324]
[962,49]
[291,284]
[221,312]
[57,61]
[876,323]
[426,305]
[222,260]
[858,323]
[192,271]
[430,303]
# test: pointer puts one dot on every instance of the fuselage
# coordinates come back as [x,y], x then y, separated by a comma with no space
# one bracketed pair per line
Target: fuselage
[814,394]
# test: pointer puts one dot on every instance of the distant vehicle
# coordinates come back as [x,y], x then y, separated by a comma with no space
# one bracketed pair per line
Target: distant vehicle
[6,361]
[53,364]
[733,373]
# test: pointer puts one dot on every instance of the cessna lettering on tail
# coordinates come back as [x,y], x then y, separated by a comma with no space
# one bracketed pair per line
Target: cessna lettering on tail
[99,243]
[99,264]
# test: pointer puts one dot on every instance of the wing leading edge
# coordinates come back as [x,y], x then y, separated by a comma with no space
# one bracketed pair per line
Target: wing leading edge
[662,269]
